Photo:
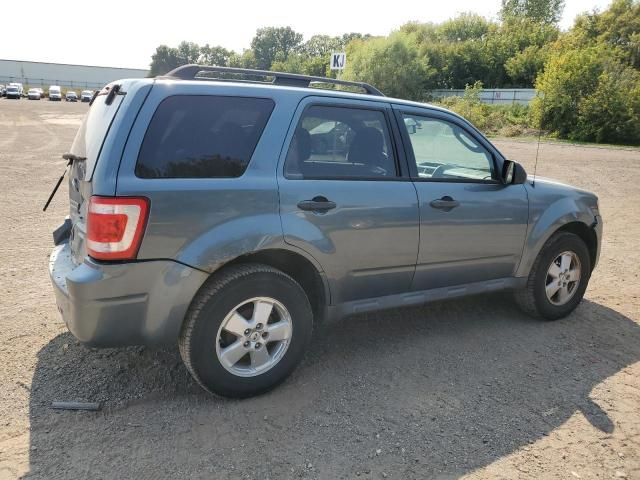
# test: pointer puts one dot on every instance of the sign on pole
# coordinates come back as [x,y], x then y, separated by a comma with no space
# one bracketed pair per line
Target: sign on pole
[338,60]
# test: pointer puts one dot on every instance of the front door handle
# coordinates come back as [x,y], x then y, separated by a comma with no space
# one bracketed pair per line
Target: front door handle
[316,204]
[445,203]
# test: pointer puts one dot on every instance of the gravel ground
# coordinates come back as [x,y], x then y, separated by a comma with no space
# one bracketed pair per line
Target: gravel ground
[469,388]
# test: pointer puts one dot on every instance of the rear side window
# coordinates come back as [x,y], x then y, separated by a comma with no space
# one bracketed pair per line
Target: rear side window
[193,136]
[340,143]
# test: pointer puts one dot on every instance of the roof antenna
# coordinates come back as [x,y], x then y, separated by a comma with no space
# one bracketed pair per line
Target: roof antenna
[535,166]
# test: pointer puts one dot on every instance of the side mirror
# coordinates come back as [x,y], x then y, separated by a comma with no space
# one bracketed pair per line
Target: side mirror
[513,173]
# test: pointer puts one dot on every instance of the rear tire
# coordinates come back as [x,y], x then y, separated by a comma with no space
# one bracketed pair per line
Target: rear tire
[215,346]
[558,278]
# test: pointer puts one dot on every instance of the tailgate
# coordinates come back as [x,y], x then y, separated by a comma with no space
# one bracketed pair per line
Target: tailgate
[88,145]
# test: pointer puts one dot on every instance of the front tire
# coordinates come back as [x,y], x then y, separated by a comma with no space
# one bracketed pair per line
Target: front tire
[558,278]
[246,331]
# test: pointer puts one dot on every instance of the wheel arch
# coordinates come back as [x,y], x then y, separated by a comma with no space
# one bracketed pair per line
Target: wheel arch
[588,236]
[302,269]
[578,227]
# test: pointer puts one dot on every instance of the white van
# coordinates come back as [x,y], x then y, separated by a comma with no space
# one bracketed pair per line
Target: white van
[55,93]
[14,90]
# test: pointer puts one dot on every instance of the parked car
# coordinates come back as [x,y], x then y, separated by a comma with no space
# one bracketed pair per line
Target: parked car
[86,95]
[71,96]
[200,214]
[34,94]
[55,93]
[14,90]
[3,90]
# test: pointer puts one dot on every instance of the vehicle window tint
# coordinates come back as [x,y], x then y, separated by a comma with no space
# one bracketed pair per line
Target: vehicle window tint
[340,142]
[194,136]
[444,151]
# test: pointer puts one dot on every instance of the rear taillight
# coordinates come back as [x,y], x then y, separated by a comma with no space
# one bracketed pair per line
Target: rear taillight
[115,226]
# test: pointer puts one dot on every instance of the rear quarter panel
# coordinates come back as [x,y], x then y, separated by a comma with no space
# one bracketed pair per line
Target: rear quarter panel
[206,222]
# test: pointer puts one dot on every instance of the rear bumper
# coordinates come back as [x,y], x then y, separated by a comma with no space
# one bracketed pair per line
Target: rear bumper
[113,305]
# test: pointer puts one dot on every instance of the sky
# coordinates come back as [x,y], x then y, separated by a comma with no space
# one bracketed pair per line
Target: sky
[127,34]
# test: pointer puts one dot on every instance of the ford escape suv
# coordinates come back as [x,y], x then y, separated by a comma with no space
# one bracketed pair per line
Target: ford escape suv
[228,210]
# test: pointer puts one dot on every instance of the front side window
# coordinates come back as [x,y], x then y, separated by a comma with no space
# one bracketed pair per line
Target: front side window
[445,151]
[197,136]
[340,142]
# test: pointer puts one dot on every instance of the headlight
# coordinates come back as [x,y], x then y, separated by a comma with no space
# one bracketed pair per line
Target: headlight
[595,210]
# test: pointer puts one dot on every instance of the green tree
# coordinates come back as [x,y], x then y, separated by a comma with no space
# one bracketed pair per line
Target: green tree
[524,47]
[295,63]
[469,48]
[612,112]
[569,75]
[304,64]
[271,41]
[618,26]
[246,59]
[215,55]
[465,26]
[541,11]
[392,64]
[591,81]
[523,68]
[348,37]
[321,46]
[188,52]
[590,94]
[163,60]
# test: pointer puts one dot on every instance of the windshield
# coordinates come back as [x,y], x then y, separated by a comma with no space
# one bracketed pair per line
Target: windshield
[13,89]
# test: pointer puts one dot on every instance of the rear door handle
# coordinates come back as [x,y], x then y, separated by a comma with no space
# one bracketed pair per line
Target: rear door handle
[316,204]
[445,203]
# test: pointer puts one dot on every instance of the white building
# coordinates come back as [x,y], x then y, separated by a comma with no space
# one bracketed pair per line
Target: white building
[43,74]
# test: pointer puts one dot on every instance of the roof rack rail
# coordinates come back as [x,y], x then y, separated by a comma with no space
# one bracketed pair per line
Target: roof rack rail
[192,72]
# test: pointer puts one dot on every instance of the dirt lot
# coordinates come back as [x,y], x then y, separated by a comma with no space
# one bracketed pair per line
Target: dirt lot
[469,388]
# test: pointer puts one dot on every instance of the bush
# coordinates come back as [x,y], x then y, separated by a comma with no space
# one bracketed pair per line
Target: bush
[589,95]
[612,112]
[511,131]
[505,120]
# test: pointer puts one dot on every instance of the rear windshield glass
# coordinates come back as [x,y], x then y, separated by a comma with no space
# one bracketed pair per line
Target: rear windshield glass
[92,132]
[193,136]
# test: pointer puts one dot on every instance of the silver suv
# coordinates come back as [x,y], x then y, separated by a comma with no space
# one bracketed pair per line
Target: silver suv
[229,210]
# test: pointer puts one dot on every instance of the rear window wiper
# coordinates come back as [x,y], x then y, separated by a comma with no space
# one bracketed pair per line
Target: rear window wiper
[110,91]
[70,157]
